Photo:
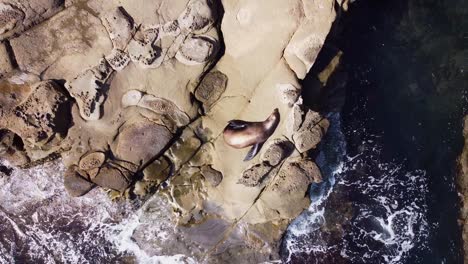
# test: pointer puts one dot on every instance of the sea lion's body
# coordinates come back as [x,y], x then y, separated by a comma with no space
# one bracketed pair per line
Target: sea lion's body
[241,134]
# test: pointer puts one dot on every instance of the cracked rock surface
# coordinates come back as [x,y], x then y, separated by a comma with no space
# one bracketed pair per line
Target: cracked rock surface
[134,96]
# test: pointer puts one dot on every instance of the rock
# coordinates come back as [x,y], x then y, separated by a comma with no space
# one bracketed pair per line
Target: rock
[197,50]
[311,131]
[144,52]
[75,183]
[255,175]
[92,160]
[211,88]
[288,93]
[277,151]
[211,175]
[141,141]
[89,90]
[63,46]
[111,177]
[295,175]
[11,20]
[303,47]
[118,59]
[158,171]
[131,98]
[12,150]
[6,65]
[183,149]
[120,27]
[39,117]
[164,107]
[203,156]
[197,17]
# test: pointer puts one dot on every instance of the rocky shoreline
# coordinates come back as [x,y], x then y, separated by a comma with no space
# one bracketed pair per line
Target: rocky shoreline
[134,97]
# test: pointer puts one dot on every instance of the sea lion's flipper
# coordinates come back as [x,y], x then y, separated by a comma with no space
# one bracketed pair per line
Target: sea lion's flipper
[253,151]
[237,124]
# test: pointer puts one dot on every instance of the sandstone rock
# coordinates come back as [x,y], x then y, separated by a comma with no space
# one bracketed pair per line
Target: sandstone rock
[89,90]
[165,107]
[12,150]
[304,47]
[295,175]
[11,20]
[111,177]
[140,141]
[39,117]
[118,59]
[197,17]
[211,175]
[63,46]
[183,149]
[92,160]
[158,171]
[131,98]
[255,175]
[144,51]
[289,93]
[211,88]
[197,50]
[6,65]
[277,151]
[75,183]
[311,131]
[120,27]
[203,155]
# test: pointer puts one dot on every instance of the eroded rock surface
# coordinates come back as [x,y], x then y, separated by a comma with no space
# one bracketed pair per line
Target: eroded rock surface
[150,96]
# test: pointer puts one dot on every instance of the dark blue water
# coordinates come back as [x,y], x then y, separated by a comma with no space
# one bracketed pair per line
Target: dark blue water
[390,156]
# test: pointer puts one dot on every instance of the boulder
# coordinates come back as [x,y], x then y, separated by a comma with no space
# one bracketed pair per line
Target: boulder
[141,141]
[75,182]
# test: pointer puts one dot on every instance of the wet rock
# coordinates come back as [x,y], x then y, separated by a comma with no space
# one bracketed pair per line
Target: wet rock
[62,46]
[311,131]
[197,50]
[90,89]
[255,175]
[158,171]
[203,155]
[211,88]
[211,175]
[277,151]
[6,65]
[92,160]
[75,183]
[197,17]
[113,178]
[11,149]
[118,59]
[120,27]
[140,141]
[184,149]
[44,114]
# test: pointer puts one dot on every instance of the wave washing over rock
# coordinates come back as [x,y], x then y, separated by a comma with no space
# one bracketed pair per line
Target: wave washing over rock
[384,212]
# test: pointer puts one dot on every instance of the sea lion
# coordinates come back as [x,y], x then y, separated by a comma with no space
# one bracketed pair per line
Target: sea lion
[240,134]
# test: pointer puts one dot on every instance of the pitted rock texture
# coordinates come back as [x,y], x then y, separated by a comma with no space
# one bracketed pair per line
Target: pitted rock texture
[151,94]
